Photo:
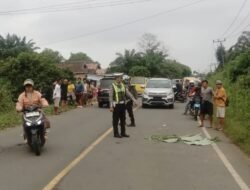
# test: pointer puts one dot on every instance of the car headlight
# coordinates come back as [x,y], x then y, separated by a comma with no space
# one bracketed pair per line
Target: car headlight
[28,124]
[39,122]
[171,94]
[145,95]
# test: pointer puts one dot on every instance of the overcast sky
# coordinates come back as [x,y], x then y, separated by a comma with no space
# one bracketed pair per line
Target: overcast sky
[187,33]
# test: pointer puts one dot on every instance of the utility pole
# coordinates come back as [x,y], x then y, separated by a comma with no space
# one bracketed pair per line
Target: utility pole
[221,45]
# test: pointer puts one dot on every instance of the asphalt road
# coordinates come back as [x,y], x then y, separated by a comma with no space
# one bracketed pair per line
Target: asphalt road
[125,164]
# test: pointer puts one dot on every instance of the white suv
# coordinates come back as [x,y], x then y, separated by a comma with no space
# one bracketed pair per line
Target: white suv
[158,91]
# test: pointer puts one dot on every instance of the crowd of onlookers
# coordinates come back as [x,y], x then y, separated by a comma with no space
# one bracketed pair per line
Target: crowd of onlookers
[208,98]
[82,93]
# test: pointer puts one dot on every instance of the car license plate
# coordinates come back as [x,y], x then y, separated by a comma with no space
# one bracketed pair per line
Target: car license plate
[197,105]
[157,98]
[32,114]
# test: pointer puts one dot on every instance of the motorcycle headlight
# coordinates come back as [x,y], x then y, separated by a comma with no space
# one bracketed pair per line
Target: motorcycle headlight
[28,124]
[39,122]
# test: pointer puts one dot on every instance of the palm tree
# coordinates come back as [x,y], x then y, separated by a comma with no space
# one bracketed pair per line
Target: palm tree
[12,45]
[127,60]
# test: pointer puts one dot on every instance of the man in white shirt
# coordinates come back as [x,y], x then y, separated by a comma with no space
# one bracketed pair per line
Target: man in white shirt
[57,96]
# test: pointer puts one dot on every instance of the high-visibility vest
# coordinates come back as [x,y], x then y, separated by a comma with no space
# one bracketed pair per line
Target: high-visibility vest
[119,90]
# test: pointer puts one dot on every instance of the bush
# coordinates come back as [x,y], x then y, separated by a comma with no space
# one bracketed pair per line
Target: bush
[237,114]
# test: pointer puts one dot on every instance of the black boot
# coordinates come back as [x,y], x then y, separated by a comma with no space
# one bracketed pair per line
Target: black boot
[132,125]
[117,136]
[125,135]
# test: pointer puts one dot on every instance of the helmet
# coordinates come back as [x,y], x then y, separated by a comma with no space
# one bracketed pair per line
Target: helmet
[28,82]
[125,77]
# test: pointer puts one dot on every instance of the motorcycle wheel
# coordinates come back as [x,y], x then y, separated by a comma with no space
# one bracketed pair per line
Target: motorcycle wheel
[36,144]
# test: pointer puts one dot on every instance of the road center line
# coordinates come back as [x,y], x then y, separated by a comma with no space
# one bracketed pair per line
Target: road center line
[227,164]
[56,180]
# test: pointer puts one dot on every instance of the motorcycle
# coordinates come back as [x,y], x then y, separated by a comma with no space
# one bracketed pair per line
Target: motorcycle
[34,129]
[180,96]
[195,108]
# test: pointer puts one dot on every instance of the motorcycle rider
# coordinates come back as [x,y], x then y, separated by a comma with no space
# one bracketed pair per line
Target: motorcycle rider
[190,93]
[31,97]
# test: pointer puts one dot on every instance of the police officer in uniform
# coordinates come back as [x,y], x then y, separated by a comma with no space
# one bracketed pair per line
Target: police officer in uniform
[129,104]
[117,100]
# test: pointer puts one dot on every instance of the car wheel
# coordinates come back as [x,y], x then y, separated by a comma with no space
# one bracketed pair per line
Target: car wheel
[171,106]
[100,105]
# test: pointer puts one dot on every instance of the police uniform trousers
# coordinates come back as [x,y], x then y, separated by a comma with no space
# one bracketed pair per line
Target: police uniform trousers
[119,114]
[129,107]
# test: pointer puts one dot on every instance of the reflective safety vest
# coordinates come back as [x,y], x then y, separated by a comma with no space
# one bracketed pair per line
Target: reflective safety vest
[118,91]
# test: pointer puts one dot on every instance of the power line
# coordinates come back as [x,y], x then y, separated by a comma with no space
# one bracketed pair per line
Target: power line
[241,23]
[130,22]
[45,7]
[235,18]
[238,33]
[48,9]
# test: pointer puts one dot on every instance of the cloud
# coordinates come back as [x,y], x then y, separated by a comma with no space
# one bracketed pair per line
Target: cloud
[187,33]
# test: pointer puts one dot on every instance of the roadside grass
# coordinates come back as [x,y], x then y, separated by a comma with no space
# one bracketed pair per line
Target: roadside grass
[238,112]
[11,118]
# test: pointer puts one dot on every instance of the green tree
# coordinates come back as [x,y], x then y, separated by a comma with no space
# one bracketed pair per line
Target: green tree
[80,56]
[12,46]
[127,60]
[52,56]
[139,71]
[149,43]
[242,45]
[35,66]
[220,55]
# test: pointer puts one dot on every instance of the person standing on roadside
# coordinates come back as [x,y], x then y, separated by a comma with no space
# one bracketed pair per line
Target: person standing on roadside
[129,104]
[117,98]
[220,98]
[79,92]
[64,93]
[71,93]
[57,96]
[207,103]
[85,92]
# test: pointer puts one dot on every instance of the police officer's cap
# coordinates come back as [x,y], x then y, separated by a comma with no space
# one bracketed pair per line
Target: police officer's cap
[118,75]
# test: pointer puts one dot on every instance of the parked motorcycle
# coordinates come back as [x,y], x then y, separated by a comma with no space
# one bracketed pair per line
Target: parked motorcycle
[180,96]
[34,128]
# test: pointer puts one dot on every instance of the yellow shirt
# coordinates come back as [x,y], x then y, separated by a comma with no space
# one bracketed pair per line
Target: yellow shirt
[71,88]
[220,97]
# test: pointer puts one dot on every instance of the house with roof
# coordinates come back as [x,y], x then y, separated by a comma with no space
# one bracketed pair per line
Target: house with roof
[84,69]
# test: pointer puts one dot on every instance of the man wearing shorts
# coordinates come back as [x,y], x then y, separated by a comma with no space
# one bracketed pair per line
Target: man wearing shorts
[220,98]
[57,96]
[207,103]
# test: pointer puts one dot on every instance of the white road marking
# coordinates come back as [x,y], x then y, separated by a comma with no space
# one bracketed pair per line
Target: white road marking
[227,164]
[56,180]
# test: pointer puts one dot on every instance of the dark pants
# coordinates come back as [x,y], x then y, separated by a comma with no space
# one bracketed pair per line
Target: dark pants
[129,107]
[119,114]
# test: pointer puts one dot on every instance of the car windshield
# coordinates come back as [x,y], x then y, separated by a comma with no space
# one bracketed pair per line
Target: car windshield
[138,80]
[159,84]
[106,83]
